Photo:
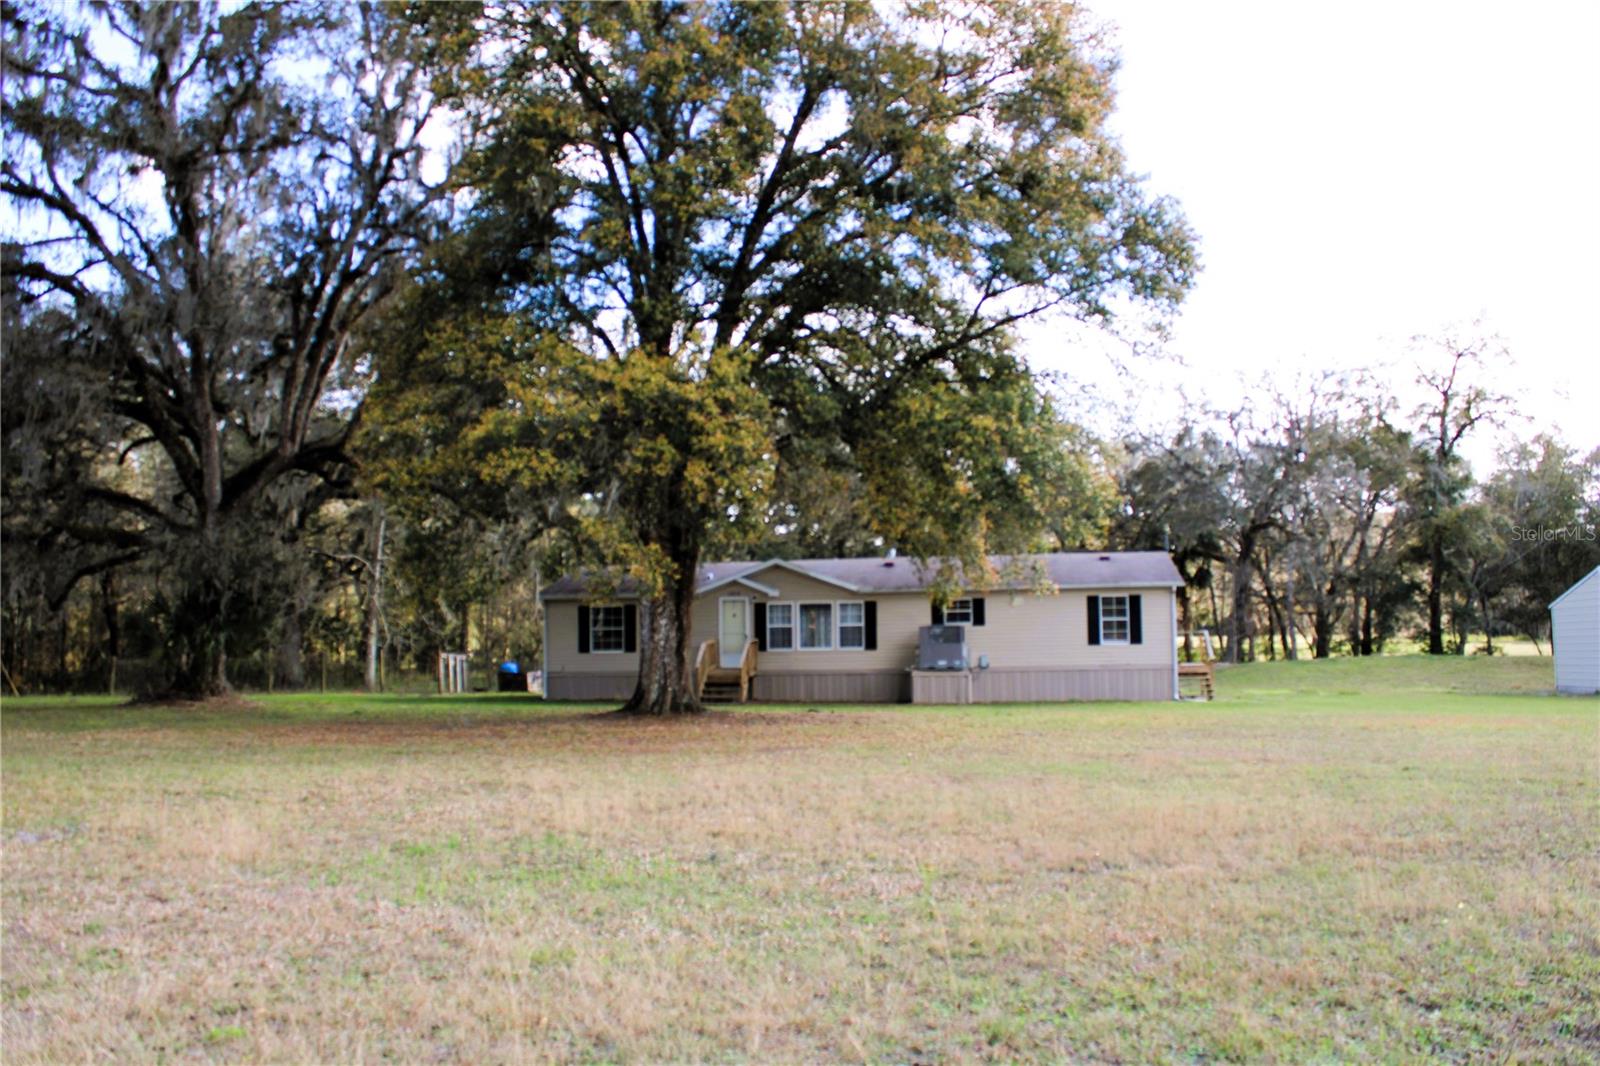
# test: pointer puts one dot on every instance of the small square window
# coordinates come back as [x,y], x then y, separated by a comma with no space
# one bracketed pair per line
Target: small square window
[959,613]
[1113,619]
[607,629]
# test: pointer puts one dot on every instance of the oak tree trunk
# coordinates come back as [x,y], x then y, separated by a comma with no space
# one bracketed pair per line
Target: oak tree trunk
[1272,624]
[198,646]
[1321,633]
[108,611]
[1488,628]
[1238,623]
[1291,639]
[1436,595]
[666,679]
[1187,622]
[291,664]
[1211,589]
[374,676]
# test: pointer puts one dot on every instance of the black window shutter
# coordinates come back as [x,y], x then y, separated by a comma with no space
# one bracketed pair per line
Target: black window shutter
[1135,621]
[630,627]
[761,626]
[938,615]
[977,610]
[871,612]
[1094,619]
[583,629]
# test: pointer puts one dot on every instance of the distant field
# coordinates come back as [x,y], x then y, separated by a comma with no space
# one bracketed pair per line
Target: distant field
[1389,860]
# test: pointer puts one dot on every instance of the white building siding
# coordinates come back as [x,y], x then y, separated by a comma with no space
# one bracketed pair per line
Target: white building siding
[1575,626]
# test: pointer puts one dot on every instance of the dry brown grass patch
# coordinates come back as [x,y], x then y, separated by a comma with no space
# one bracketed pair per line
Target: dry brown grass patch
[1127,884]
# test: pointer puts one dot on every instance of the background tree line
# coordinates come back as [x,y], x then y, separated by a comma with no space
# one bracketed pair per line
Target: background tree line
[1335,521]
[1315,514]
[293,395]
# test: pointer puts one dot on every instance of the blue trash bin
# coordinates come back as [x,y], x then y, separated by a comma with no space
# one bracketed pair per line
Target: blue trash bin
[511,677]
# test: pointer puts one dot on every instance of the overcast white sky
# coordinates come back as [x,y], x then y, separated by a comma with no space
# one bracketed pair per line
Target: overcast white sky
[1362,173]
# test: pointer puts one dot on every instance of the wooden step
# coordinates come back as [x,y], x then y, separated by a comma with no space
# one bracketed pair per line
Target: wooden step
[721,692]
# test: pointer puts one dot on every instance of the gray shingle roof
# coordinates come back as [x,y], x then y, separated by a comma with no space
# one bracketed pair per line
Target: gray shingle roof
[878,574]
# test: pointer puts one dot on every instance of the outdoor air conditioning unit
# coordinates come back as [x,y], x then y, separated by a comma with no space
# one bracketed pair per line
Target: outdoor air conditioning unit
[942,648]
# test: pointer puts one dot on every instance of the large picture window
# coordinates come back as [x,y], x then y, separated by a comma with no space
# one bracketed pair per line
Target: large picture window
[852,625]
[780,626]
[816,625]
[1113,619]
[607,629]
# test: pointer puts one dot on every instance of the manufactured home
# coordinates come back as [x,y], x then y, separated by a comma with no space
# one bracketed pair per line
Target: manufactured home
[1063,626]
[1575,631]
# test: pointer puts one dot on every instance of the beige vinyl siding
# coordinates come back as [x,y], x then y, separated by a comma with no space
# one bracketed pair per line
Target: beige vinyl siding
[941,686]
[881,686]
[899,615]
[1037,646]
[1041,686]
[561,647]
[1029,631]
[1054,686]
[581,686]
[1020,631]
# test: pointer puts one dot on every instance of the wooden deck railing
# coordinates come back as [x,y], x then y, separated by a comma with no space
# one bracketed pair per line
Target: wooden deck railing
[1204,674]
[705,661]
[708,664]
[747,670]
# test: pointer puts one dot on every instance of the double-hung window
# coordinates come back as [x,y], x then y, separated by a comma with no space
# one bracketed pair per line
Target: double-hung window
[607,628]
[959,613]
[853,625]
[780,626]
[1114,620]
[816,626]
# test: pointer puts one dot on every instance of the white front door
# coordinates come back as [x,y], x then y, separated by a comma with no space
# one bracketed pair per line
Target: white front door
[733,631]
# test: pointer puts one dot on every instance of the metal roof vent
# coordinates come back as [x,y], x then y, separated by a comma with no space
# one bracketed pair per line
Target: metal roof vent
[1105,558]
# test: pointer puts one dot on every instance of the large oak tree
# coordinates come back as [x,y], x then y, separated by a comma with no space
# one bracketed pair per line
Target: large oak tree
[708,239]
[220,194]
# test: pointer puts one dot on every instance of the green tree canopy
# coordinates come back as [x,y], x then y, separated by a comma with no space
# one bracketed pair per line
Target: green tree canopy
[1457,402]
[707,240]
[220,194]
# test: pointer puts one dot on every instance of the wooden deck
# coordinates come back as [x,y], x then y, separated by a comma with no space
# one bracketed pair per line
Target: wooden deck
[1203,679]
[716,683]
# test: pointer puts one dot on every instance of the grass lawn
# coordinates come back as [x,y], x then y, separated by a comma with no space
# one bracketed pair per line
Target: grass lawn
[1388,860]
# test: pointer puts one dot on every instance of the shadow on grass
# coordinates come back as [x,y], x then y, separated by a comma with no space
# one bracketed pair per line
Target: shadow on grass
[359,715]
[254,710]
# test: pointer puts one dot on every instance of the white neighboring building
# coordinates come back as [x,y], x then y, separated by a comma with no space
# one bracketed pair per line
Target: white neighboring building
[1575,630]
